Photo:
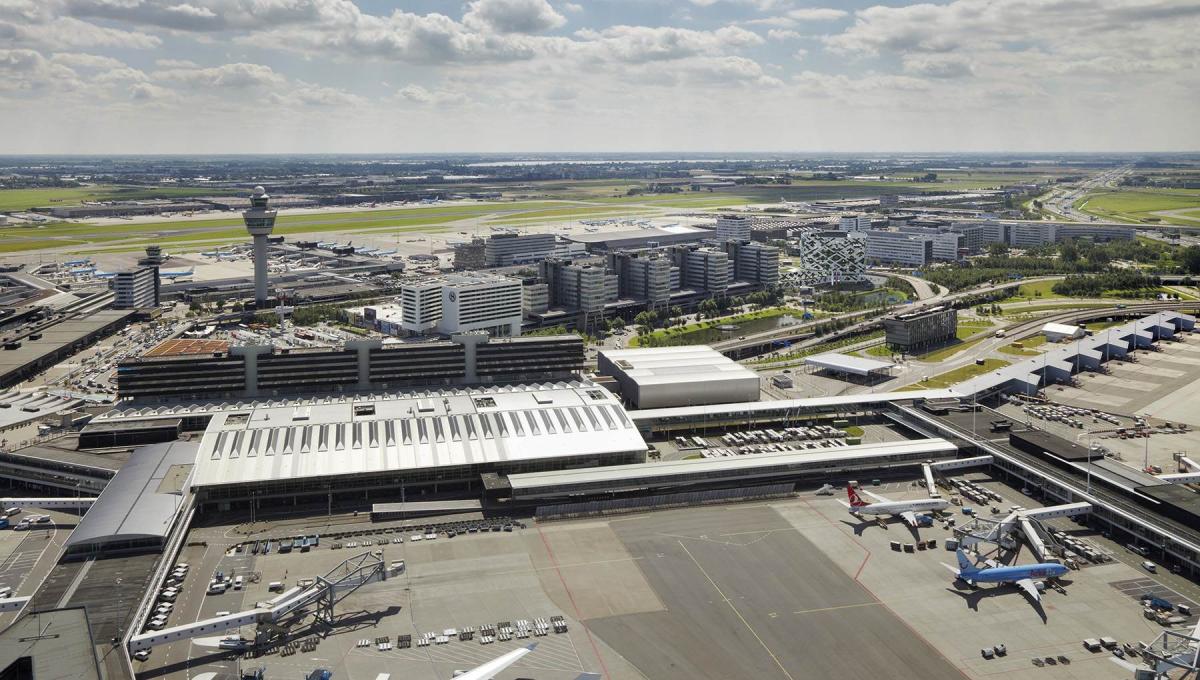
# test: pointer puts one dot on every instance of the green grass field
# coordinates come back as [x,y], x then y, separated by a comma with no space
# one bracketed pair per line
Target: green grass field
[1139,205]
[958,375]
[16,200]
[968,328]
[1026,348]
[228,229]
[1028,291]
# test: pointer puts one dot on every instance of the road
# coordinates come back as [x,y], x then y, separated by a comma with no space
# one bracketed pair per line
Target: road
[1061,202]
[799,329]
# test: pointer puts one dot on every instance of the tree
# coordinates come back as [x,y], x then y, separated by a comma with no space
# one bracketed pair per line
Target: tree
[1068,251]
[998,249]
[676,311]
[616,323]
[709,307]
[1190,258]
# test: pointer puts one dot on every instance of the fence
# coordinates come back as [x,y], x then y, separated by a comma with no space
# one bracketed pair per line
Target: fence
[658,502]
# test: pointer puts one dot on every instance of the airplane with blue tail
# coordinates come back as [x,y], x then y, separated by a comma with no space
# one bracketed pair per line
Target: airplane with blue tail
[177,273]
[78,263]
[1025,576]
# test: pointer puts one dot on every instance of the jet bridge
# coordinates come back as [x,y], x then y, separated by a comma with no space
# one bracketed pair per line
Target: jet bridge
[1175,653]
[1003,532]
[327,591]
[929,467]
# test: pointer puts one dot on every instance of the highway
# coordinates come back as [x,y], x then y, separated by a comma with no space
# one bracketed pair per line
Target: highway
[1061,202]
[736,344]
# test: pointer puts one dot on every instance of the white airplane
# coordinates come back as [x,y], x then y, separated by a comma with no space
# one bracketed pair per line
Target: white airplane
[488,670]
[905,510]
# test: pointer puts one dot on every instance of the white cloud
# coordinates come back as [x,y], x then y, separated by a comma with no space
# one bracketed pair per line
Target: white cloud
[816,14]
[513,16]
[237,76]
[783,34]
[644,43]
[938,65]
[416,94]
[70,33]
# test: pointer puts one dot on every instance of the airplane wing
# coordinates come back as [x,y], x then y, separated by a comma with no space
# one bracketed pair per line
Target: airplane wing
[1030,589]
[909,517]
[876,496]
[491,668]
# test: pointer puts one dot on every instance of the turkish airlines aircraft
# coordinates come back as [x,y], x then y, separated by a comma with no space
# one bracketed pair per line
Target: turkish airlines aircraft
[905,510]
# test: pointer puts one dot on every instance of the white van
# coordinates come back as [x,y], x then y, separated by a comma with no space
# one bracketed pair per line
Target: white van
[5,592]
[217,587]
[12,511]
[275,586]
[1150,567]
[237,583]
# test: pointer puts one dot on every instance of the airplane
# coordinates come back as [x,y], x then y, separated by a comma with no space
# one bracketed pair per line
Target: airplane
[77,263]
[381,253]
[905,510]
[326,244]
[1023,576]
[177,274]
[488,670]
[82,270]
[103,275]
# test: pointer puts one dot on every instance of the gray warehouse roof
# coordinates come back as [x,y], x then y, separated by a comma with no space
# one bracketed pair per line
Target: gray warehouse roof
[848,364]
[142,499]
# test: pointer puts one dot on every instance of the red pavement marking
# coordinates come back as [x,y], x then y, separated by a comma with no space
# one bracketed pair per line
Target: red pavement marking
[578,617]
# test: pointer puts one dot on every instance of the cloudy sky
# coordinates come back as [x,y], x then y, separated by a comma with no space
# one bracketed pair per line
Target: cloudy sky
[219,76]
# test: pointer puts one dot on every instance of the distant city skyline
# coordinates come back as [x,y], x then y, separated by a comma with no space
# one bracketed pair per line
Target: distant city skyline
[430,76]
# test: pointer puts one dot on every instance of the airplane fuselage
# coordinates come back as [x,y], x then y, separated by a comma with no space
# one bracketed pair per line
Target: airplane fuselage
[897,507]
[1017,573]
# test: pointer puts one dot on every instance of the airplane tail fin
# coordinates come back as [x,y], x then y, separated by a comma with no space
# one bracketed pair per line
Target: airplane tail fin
[856,501]
[965,566]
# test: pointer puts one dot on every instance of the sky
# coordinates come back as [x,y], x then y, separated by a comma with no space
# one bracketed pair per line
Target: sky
[430,76]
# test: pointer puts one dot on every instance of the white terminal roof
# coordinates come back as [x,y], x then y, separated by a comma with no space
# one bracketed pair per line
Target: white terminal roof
[1061,329]
[847,363]
[847,402]
[673,365]
[407,431]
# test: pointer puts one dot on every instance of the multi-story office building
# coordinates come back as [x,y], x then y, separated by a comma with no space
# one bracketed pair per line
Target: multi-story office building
[470,255]
[504,250]
[948,246]
[136,289]
[535,298]
[854,222]
[754,262]
[702,269]
[734,227]
[363,365]
[829,258]
[920,329]
[978,235]
[420,306]
[644,276]
[459,303]
[1095,232]
[899,248]
[1032,234]
[579,287]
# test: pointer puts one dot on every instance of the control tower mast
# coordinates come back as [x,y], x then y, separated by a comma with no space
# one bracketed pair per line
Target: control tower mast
[260,222]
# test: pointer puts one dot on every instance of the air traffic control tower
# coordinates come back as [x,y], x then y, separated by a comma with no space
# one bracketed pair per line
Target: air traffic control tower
[260,222]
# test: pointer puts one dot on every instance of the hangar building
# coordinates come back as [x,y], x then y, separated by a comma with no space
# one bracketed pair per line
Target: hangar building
[660,377]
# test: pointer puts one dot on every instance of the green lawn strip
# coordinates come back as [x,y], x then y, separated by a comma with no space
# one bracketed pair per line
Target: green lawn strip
[958,375]
[1037,289]
[567,214]
[947,352]
[18,200]
[677,332]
